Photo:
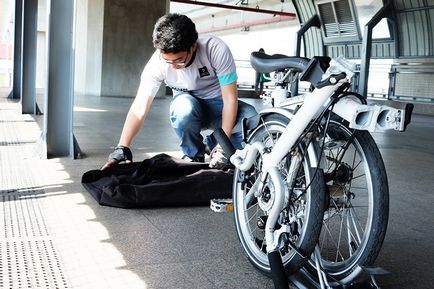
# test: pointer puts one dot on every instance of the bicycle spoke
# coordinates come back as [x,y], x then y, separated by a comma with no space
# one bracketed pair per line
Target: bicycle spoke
[338,252]
[359,188]
[248,198]
[334,242]
[359,239]
[255,213]
[328,241]
[349,233]
[356,218]
[359,176]
[255,228]
[346,222]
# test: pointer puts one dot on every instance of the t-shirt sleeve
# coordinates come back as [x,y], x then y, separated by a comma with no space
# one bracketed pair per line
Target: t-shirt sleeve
[223,62]
[152,76]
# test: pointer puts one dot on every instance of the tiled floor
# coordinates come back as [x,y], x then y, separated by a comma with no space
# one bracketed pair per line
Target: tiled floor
[56,236]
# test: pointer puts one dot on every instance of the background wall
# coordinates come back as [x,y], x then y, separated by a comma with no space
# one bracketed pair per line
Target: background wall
[127,43]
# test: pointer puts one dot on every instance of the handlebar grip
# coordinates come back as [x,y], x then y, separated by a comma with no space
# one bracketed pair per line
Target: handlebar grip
[224,142]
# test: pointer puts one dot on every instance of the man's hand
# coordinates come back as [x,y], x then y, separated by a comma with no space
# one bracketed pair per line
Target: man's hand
[218,159]
[119,154]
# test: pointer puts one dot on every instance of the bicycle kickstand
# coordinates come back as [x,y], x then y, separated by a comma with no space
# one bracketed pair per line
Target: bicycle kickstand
[322,277]
[371,273]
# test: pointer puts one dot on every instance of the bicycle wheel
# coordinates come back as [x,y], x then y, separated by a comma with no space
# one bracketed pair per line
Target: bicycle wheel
[355,220]
[303,211]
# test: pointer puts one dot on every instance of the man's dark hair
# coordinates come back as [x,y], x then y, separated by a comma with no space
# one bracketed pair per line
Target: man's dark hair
[174,33]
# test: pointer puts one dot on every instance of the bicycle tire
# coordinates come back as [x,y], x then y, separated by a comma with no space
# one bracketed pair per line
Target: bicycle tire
[314,197]
[364,194]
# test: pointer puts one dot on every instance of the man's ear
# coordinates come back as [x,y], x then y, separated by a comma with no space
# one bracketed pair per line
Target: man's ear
[194,46]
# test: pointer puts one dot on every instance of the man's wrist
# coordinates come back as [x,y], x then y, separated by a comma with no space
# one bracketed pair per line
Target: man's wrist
[121,153]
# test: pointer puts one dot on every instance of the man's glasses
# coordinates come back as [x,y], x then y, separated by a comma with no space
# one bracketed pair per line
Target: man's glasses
[177,62]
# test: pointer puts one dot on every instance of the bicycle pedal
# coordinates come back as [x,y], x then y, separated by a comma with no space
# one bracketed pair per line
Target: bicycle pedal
[221,205]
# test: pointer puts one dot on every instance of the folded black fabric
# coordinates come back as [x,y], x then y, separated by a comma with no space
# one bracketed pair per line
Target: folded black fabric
[159,181]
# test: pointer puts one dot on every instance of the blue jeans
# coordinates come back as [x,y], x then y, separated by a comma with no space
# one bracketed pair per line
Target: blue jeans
[190,115]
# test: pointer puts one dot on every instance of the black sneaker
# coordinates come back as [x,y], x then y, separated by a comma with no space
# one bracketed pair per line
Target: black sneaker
[196,159]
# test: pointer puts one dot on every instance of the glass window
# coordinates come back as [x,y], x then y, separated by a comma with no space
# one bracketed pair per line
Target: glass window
[365,11]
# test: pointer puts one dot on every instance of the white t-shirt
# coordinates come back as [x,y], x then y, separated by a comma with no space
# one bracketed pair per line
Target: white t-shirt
[213,66]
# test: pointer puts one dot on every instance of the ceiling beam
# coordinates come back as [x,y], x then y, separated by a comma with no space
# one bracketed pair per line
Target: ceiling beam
[246,24]
[232,7]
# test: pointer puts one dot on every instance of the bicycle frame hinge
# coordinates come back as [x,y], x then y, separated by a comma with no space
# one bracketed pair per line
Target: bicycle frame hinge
[373,117]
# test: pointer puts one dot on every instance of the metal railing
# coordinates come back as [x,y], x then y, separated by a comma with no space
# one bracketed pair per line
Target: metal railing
[412,82]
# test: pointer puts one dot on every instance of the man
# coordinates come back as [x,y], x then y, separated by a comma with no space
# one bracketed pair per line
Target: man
[202,74]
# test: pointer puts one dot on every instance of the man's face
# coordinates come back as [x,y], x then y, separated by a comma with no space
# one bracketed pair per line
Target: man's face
[178,60]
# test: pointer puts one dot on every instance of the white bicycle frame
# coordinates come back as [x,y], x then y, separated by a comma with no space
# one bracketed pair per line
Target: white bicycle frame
[359,116]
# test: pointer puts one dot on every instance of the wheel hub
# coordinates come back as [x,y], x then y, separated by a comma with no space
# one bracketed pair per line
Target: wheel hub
[343,174]
[266,199]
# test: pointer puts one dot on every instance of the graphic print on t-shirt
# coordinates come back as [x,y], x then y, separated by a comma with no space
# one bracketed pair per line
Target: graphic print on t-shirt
[203,71]
[176,87]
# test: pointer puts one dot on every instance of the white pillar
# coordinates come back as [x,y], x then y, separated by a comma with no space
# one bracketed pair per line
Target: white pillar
[18,34]
[59,92]
[28,49]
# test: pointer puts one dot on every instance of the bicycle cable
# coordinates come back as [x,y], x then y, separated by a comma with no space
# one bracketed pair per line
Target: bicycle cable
[322,146]
[339,94]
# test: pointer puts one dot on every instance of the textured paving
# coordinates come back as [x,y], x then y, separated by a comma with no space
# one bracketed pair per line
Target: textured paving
[28,256]
[54,235]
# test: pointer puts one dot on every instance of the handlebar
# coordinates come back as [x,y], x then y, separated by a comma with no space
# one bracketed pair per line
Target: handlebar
[224,142]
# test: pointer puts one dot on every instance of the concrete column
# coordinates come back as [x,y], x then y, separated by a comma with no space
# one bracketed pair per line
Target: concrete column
[18,32]
[127,43]
[41,66]
[28,48]
[95,27]
[80,46]
[59,95]
[89,25]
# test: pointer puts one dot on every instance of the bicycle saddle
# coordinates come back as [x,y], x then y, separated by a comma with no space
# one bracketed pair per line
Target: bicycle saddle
[264,63]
